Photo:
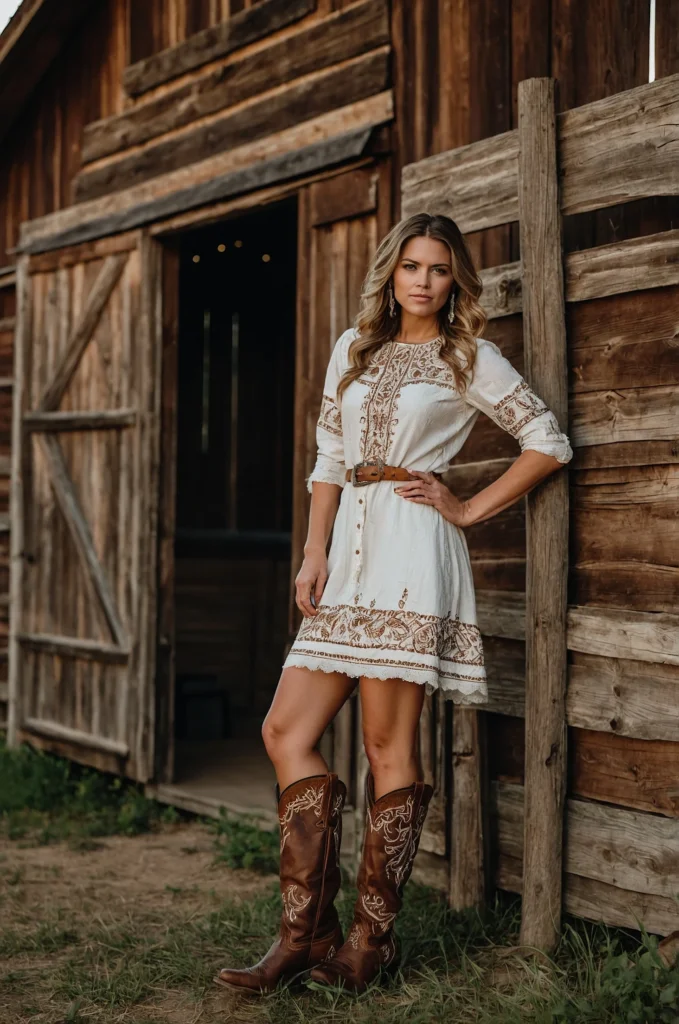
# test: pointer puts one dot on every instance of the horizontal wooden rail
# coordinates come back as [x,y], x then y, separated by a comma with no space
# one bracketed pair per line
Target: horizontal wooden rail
[602,161]
[7,323]
[621,866]
[81,419]
[610,632]
[636,264]
[55,731]
[74,647]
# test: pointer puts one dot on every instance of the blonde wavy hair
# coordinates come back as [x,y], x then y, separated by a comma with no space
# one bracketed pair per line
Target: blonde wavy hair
[374,324]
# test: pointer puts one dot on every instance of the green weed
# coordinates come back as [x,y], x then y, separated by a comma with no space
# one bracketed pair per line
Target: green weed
[241,844]
[44,799]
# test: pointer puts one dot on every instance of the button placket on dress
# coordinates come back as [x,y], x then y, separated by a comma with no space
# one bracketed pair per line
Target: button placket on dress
[358,531]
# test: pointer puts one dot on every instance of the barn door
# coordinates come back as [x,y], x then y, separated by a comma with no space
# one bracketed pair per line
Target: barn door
[84,503]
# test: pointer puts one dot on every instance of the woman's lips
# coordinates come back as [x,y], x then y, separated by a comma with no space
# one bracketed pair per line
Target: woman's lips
[421,298]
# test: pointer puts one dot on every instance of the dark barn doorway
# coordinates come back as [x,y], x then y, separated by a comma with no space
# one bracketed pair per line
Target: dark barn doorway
[236,363]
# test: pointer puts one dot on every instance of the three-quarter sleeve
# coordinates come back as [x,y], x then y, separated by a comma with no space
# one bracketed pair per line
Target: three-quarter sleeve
[330,467]
[498,390]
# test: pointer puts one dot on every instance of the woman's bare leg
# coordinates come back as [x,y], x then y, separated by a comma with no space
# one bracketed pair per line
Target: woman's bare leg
[391,710]
[304,704]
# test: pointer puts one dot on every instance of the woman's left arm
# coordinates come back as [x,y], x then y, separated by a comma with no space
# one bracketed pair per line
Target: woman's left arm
[498,390]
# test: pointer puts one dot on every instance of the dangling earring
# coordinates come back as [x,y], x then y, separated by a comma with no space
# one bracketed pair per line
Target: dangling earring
[451,311]
[392,302]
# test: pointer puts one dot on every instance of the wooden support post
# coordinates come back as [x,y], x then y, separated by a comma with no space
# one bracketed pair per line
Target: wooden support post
[467,860]
[544,330]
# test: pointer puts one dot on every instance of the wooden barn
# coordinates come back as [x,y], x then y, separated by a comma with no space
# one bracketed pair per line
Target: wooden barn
[190,191]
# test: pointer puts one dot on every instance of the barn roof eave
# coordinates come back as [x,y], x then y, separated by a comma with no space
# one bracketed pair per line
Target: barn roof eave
[28,45]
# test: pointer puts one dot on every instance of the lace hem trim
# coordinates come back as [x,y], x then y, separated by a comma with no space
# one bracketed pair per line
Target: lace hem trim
[459,690]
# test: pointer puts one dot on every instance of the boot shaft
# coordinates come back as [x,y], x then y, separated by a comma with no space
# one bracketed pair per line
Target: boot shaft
[310,816]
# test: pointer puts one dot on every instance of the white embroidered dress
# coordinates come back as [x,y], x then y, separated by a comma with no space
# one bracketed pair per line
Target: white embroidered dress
[399,600]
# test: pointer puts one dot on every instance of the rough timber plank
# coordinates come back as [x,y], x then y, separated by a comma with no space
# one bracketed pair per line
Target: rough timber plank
[628,414]
[334,138]
[303,100]
[544,326]
[342,35]
[619,633]
[623,697]
[107,279]
[620,148]
[476,185]
[597,894]
[242,28]
[634,265]
[467,862]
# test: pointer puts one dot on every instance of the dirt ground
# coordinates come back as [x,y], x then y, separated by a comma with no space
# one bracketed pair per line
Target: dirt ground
[57,904]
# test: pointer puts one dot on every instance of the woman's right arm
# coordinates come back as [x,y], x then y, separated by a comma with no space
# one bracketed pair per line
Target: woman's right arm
[325,483]
[312,577]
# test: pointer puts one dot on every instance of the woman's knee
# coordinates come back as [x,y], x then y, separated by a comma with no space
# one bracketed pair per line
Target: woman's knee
[384,755]
[280,740]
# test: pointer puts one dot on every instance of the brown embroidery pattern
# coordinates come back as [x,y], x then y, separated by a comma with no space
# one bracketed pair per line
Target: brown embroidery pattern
[330,417]
[394,367]
[518,408]
[395,630]
[316,655]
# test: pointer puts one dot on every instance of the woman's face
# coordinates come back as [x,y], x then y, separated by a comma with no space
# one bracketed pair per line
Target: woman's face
[423,276]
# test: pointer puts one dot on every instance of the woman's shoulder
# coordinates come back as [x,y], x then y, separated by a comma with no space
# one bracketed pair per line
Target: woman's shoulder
[343,342]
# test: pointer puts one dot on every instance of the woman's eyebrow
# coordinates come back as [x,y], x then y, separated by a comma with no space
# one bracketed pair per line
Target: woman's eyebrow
[409,259]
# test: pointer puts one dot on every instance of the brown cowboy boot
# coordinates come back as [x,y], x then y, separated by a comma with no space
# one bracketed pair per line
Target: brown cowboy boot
[310,814]
[393,828]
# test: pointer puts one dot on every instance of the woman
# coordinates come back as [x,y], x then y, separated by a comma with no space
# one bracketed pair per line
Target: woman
[393,603]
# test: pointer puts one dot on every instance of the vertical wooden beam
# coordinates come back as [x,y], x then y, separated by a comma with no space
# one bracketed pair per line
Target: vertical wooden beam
[20,454]
[544,328]
[467,860]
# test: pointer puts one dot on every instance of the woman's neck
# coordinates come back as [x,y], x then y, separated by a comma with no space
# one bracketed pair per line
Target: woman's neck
[416,329]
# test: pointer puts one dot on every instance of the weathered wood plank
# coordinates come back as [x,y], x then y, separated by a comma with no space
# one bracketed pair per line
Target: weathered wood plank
[627,849]
[476,185]
[74,647]
[80,531]
[98,249]
[625,341]
[8,277]
[7,324]
[304,100]
[242,28]
[598,901]
[648,262]
[136,207]
[107,279]
[604,162]
[621,633]
[501,613]
[632,265]
[626,453]
[340,36]
[17,499]
[346,195]
[628,772]
[103,419]
[544,326]
[467,886]
[55,730]
[623,697]
[631,414]
[501,294]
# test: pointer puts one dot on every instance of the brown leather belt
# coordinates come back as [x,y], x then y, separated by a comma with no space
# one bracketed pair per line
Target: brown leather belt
[372,472]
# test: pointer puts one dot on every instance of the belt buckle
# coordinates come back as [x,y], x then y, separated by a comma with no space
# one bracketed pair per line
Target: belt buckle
[360,465]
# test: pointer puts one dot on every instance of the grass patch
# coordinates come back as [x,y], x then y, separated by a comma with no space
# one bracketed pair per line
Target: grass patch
[455,968]
[239,843]
[44,799]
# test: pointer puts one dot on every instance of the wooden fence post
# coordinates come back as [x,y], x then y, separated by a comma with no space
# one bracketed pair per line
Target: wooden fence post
[468,864]
[544,332]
